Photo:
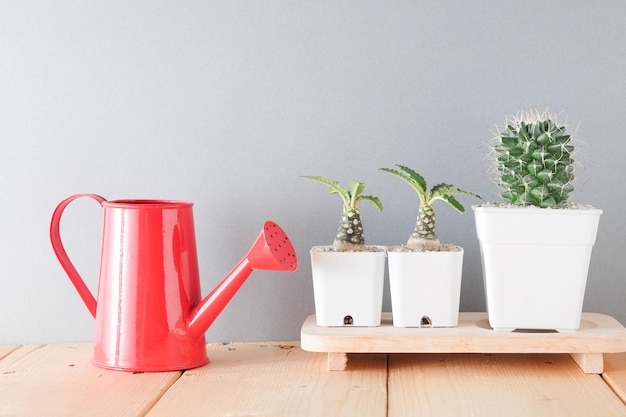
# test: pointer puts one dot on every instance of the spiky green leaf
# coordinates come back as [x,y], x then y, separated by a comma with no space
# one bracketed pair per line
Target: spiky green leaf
[415,177]
[350,197]
[415,180]
[334,187]
[453,202]
[446,192]
[374,200]
[356,188]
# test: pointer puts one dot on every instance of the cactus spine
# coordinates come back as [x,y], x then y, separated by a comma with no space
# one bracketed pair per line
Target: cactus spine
[534,163]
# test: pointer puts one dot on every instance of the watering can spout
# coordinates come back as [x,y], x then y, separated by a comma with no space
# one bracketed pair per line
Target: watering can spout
[271,251]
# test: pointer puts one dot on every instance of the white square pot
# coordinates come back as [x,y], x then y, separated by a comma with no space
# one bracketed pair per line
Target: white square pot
[348,286]
[425,288]
[535,264]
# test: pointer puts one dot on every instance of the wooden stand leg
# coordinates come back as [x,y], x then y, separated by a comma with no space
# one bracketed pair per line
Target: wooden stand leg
[337,361]
[590,363]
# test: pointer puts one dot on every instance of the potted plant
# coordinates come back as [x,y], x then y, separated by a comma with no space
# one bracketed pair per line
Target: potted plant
[536,246]
[348,276]
[425,275]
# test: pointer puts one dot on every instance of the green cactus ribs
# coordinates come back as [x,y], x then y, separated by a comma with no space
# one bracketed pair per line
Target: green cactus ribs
[350,232]
[534,161]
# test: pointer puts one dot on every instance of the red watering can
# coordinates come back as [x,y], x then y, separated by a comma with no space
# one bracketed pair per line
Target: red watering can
[149,312]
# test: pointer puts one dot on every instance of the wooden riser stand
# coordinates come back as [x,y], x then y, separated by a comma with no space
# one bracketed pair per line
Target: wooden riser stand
[598,334]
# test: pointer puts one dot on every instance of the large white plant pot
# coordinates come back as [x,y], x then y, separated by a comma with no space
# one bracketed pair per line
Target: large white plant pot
[348,286]
[535,264]
[425,288]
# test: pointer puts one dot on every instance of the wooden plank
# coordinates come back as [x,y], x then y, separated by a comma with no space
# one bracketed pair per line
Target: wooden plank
[598,334]
[277,379]
[615,373]
[496,385]
[19,353]
[5,350]
[59,380]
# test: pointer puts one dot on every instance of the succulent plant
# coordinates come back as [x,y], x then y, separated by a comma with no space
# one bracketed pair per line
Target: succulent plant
[533,160]
[424,236]
[350,232]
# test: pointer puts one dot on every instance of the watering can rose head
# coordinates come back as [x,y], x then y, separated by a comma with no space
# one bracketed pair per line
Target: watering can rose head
[349,235]
[424,236]
[533,160]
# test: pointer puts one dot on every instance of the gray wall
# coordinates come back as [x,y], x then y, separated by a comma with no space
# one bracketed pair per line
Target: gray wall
[226,103]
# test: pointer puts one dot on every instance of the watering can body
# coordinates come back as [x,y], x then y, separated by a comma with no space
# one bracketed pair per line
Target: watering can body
[149,311]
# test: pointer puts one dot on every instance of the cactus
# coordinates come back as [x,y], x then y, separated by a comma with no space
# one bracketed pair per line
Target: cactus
[533,161]
[350,232]
[424,236]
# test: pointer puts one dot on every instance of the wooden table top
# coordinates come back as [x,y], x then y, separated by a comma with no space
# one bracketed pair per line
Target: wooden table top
[281,379]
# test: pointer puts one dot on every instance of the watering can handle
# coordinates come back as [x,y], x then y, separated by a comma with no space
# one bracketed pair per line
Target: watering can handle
[59,250]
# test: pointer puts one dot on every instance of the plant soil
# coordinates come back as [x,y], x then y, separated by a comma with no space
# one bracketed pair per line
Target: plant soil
[447,247]
[575,206]
[331,249]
